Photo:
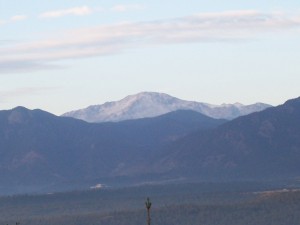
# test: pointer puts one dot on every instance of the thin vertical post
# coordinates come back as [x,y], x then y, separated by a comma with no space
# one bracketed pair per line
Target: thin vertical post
[148,206]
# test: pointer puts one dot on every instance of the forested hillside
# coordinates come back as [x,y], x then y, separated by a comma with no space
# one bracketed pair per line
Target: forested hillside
[186,204]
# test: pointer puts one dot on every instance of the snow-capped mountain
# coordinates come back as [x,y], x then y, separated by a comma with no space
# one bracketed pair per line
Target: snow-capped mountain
[151,104]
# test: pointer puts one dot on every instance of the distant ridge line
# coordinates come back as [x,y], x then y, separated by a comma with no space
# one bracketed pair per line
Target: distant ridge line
[152,104]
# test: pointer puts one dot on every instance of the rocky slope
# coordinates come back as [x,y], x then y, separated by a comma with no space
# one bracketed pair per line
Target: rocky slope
[151,104]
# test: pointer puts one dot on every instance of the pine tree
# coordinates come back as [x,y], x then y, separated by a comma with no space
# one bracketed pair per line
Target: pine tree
[148,206]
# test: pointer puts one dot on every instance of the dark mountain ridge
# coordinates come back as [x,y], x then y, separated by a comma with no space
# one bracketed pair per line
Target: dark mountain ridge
[262,145]
[39,149]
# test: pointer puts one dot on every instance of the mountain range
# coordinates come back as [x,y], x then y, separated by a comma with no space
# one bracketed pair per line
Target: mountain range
[262,145]
[42,152]
[151,104]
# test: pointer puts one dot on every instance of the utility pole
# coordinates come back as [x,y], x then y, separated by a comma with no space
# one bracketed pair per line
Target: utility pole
[148,206]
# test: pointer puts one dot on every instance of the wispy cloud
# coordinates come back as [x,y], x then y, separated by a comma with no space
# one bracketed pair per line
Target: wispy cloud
[18,18]
[12,19]
[124,8]
[76,11]
[112,39]
[2,22]
[26,65]
[23,91]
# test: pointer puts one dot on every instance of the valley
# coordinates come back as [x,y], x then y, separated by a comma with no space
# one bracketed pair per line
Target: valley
[262,203]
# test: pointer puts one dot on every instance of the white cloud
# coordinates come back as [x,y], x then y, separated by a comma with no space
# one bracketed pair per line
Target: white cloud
[18,18]
[124,8]
[2,22]
[76,11]
[15,18]
[25,65]
[112,39]
[21,92]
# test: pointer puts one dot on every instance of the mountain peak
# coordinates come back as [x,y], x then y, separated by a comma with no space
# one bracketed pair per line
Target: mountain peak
[150,94]
[151,104]
[149,98]
[20,109]
[18,115]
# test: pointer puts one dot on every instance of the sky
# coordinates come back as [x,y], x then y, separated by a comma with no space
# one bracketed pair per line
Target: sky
[63,55]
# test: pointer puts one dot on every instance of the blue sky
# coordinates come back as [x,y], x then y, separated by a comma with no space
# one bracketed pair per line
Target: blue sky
[62,55]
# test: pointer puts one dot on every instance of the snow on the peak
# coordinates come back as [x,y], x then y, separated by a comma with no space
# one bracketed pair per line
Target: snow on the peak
[151,104]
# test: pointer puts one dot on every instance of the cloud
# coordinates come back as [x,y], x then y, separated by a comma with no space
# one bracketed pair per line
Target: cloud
[18,18]
[115,38]
[13,19]
[76,11]
[24,66]
[2,22]
[21,92]
[124,8]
